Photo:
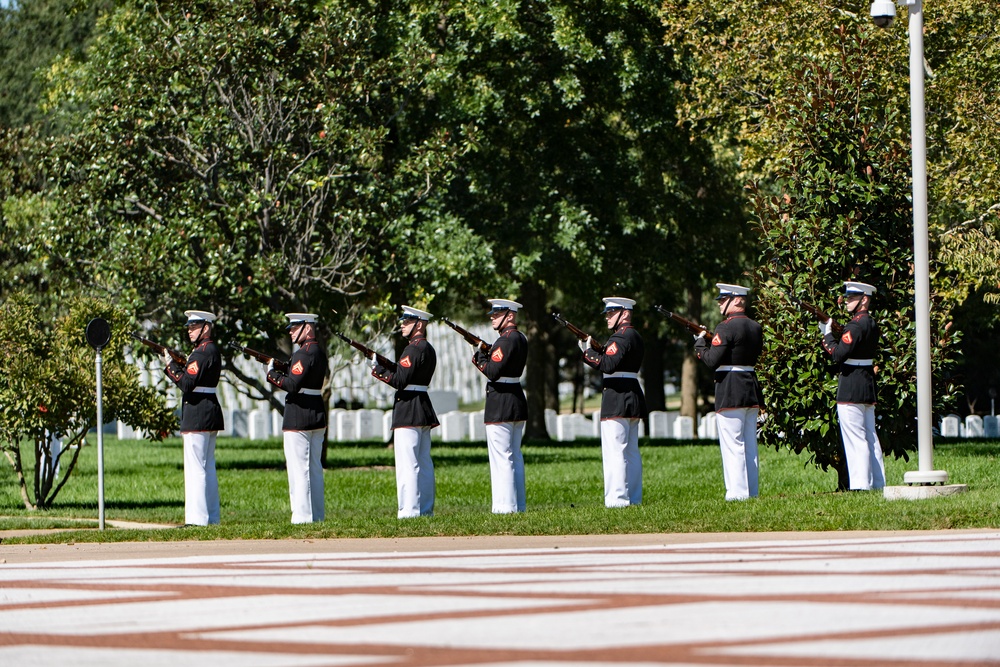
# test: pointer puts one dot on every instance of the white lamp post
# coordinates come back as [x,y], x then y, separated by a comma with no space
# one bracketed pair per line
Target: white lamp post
[883,12]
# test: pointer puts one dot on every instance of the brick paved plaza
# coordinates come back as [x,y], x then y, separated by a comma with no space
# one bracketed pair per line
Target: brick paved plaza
[869,599]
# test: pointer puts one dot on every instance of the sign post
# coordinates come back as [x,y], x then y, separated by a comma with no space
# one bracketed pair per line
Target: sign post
[98,335]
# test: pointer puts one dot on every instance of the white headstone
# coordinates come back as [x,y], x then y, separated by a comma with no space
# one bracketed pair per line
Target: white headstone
[239,423]
[950,426]
[565,428]
[454,426]
[595,424]
[477,426]
[991,427]
[347,425]
[443,401]
[126,432]
[658,425]
[276,423]
[973,426]
[368,425]
[684,428]
[708,428]
[260,424]
[387,426]
[550,421]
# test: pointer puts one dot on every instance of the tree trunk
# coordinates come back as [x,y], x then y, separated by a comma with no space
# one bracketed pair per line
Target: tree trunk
[14,456]
[689,368]
[542,364]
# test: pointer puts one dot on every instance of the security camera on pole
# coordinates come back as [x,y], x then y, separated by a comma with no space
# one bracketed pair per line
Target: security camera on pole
[922,483]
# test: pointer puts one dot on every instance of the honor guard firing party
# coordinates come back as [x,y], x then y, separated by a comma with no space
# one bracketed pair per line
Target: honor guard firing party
[731,352]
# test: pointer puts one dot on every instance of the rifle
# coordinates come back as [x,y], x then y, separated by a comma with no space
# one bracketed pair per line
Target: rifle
[470,338]
[160,349]
[819,314]
[368,352]
[279,365]
[693,327]
[577,331]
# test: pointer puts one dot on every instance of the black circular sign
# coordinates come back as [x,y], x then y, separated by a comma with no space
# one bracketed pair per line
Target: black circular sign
[98,333]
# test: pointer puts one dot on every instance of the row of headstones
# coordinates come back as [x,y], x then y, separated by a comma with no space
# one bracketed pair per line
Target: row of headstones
[975,426]
[456,426]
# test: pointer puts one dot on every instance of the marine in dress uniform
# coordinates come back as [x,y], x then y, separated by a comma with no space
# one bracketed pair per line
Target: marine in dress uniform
[855,352]
[305,420]
[506,406]
[201,418]
[732,353]
[623,404]
[413,416]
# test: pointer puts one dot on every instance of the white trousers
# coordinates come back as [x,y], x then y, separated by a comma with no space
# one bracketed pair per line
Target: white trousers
[303,458]
[864,452]
[414,471]
[201,485]
[503,441]
[738,442]
[622,463]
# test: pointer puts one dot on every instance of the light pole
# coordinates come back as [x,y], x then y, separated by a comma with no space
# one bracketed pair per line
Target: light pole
[882,12]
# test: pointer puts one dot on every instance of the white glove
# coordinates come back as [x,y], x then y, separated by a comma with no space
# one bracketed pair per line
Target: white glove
[700,335]
[826,327]
[270,365]
[371,362]
[584,344]
[167,358]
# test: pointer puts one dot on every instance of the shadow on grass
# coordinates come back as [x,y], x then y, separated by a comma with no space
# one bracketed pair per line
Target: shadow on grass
[152,503]
[989,448]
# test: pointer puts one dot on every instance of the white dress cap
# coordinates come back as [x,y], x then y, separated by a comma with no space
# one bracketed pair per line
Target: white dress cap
[503,304]
[858,288]
[726,290]
[195,316]
[616,302]
[300,318]
[409,312]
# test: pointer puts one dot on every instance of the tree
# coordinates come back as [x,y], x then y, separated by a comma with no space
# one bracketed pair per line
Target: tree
[33,33]
[821,126]
[582,183]
[252,158]
[49,388]
[843,214]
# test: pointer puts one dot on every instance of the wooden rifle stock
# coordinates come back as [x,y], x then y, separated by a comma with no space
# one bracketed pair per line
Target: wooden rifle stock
[279,365]
[160,349]
[693,327]
[577,331]
[470,338]
[368,352]
[817,313]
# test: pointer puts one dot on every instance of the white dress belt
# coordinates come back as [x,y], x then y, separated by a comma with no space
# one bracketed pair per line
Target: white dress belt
[507,380]
[736,369]
[203,390]
[415,387]
[858,362]
[311,392]
[630,376]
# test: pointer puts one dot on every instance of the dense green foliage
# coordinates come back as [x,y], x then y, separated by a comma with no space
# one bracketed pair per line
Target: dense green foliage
[842,213]
[683,492]
[49,388]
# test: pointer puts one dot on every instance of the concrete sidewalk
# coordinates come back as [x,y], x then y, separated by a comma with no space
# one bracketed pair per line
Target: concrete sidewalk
[844,599]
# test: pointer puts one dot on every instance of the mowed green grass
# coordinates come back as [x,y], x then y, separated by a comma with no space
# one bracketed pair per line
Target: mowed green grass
[683,492]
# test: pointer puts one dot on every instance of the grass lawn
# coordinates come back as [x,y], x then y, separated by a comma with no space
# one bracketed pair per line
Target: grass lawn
[683,492]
